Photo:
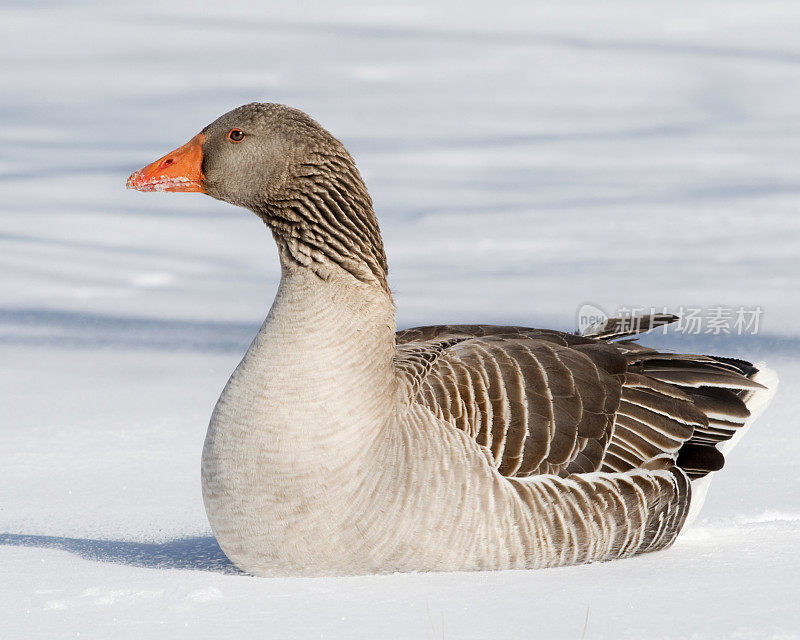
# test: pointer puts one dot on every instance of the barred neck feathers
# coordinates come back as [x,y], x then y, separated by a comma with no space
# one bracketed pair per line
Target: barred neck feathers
[322,219]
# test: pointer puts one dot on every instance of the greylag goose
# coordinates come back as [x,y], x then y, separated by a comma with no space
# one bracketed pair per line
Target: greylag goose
[340,446]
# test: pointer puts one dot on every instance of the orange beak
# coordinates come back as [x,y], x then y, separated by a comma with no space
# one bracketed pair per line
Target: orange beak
[180,170]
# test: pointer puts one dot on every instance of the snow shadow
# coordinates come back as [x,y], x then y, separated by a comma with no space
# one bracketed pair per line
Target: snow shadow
[36,327]
[60,328]
[195,553]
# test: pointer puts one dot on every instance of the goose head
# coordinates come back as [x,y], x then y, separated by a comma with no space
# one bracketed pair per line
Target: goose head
[283,166]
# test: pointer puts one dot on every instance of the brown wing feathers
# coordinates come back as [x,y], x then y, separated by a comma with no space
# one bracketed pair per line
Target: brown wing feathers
[537,404]
[653,418]
[549,402]
[715,386]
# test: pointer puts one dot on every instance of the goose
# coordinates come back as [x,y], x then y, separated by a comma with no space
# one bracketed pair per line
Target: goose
[342,446]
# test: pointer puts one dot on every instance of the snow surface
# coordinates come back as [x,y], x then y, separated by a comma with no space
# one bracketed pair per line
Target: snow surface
[524,159]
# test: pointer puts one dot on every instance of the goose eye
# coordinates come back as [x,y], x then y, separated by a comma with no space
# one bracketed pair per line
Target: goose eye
[235,135]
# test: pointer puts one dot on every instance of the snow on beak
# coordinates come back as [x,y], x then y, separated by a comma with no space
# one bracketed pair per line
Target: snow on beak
[179,170]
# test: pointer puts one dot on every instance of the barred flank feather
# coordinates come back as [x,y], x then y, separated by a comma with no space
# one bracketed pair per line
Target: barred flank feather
[543,402]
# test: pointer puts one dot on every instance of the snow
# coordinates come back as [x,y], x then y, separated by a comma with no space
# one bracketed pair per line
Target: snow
[525,159]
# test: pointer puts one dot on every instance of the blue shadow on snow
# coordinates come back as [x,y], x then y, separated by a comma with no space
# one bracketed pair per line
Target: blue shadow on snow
[195,553]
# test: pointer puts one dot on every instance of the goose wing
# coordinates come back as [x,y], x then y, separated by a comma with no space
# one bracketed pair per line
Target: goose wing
[550,402]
